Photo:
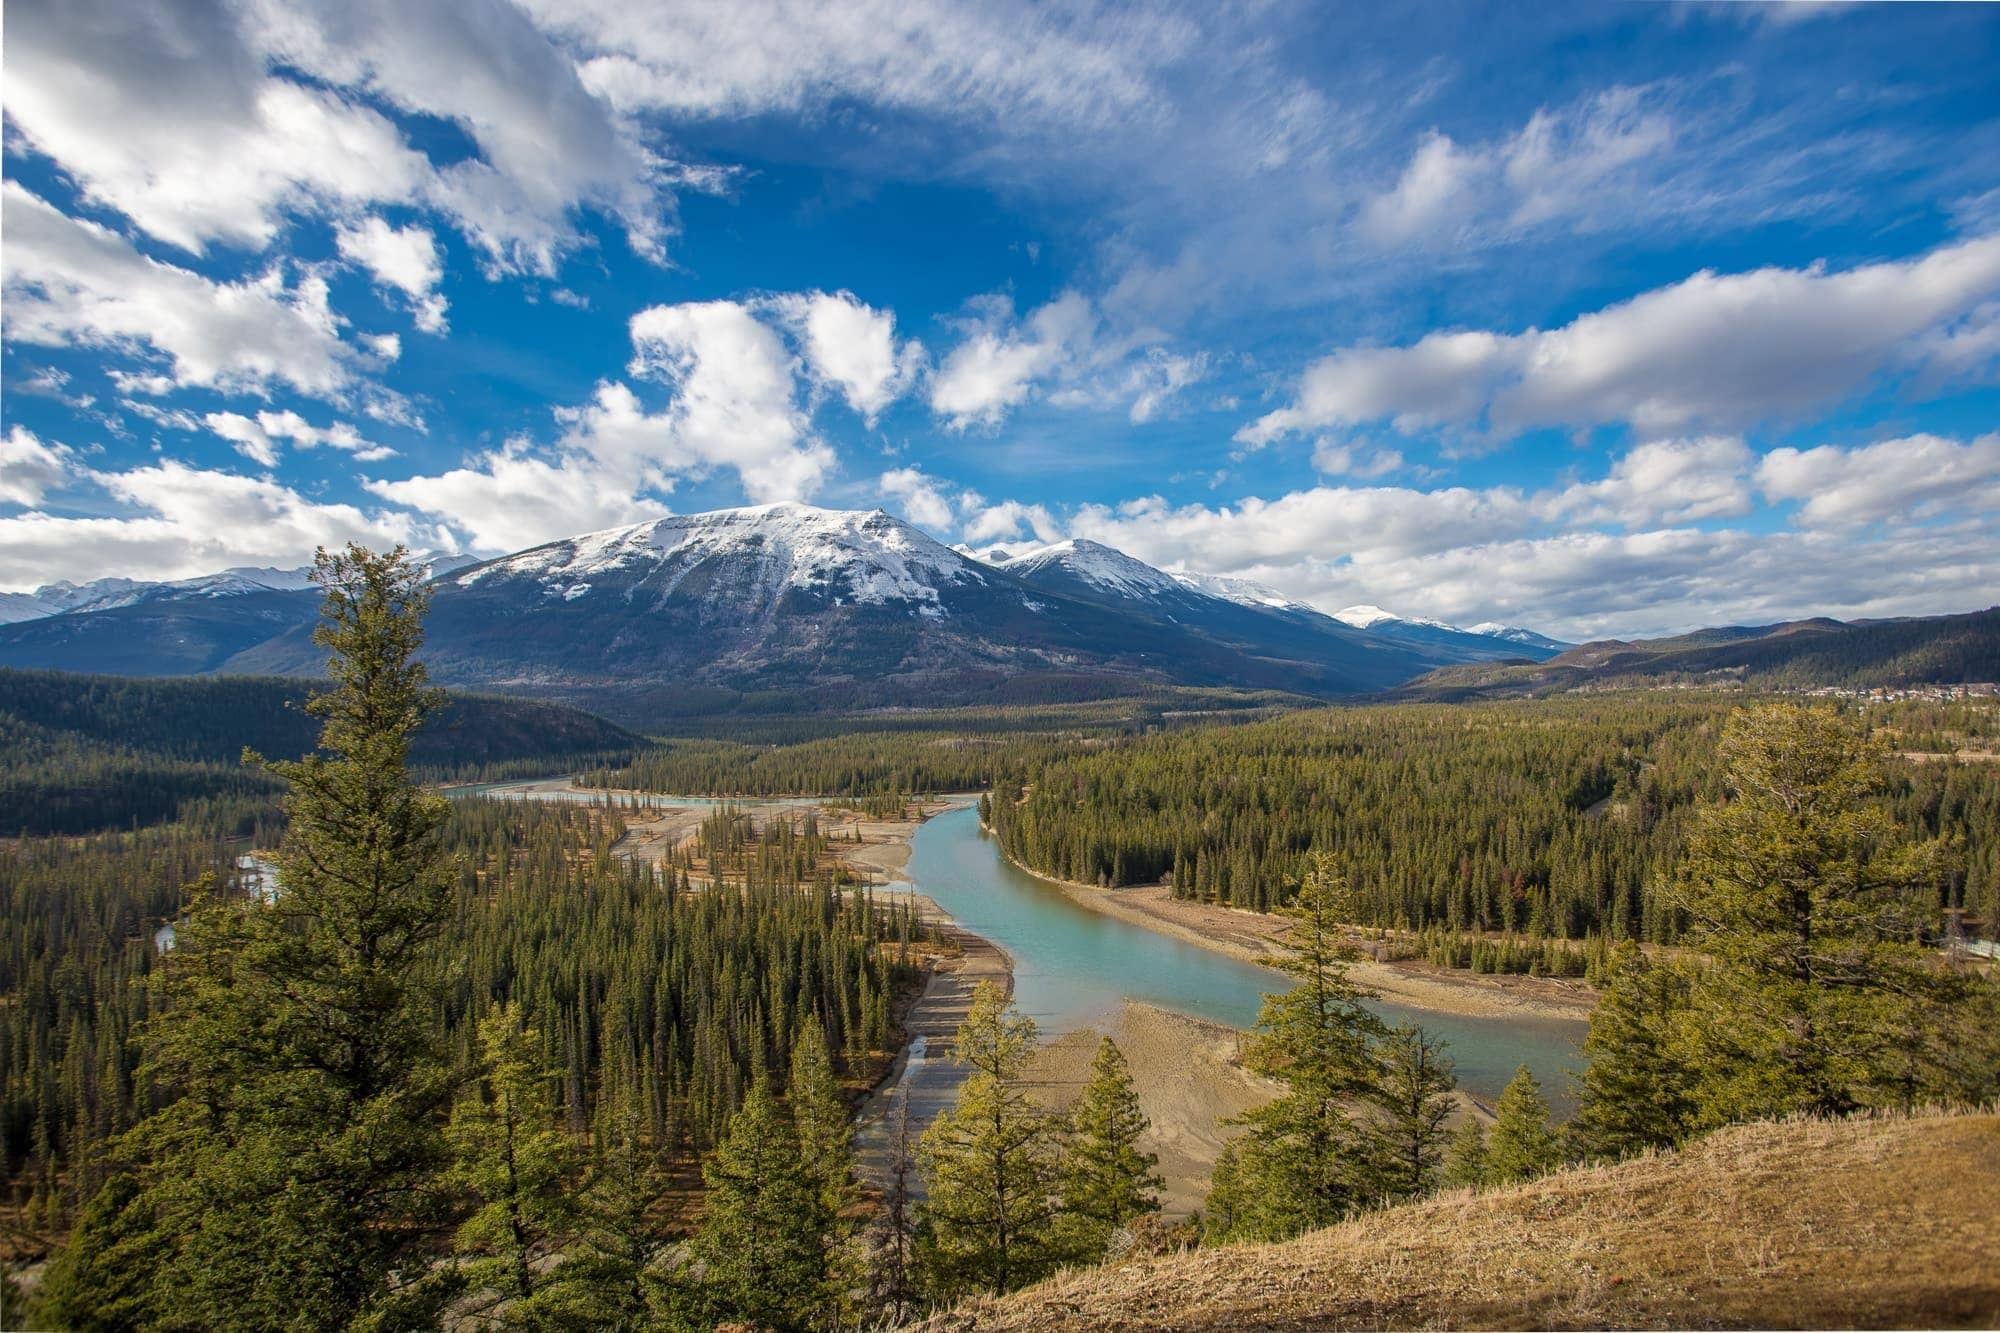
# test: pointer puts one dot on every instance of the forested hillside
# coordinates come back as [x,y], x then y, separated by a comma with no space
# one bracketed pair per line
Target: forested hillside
[1560,817]
[80,753]
[1862,654]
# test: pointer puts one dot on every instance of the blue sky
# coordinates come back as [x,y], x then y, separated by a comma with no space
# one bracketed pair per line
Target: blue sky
[1610,318]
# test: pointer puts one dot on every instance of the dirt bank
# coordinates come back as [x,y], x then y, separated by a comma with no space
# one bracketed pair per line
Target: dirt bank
[1189,1079]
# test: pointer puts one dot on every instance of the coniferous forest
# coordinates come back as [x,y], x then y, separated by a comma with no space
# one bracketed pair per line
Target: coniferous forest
[369,1057]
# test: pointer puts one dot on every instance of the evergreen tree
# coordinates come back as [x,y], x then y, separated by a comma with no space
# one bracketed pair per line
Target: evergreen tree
[289,1178]
[1810,912]
[1413,1098]
[826,1152]
[1106,1182]
[1304,1160]
[608,1278]
[761,1240]
[989,1164]
[892,1289]
[1636,1091]
[1465,1156]
[1523,1144]
[515,1160]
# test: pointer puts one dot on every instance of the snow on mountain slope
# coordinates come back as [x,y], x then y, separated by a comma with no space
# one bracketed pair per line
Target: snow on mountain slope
[1493,629]
[1243,592]
[865,558]
[1095,564]
[1364,617]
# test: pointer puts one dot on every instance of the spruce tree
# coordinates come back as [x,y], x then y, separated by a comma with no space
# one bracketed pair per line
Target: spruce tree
[609,1277]
[1106,1182]
[1412,1100]
[515,1161]
[1636,1092]
[295,1169]
[1304,1161]
[1523,1144]
[1810,913]
[826,1152]
[1465,1156]
[989,1164]
[892,1288]
[761,1240]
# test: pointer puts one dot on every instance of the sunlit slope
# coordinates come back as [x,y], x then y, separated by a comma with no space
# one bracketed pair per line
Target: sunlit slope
[1863,1223]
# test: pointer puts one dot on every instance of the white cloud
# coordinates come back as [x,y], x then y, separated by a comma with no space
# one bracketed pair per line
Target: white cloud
[1333,459]
[734,399]
[851,346]
[187,117]
[1436,189]
[921,500]
[1909,478]
[999,363]
[73,283]
[1715,351]
[187,521]
[405,258]
[1008,520]
[30,468]
[258,439]
[732,404]
[1665,481]
[1070,67]
[508,499]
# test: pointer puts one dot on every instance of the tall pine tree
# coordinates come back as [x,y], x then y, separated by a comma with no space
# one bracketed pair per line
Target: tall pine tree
[1413,1099]
[1636,1091]
[294,1172]
[761,1241]
[1106,1181]
[1304,1160]
[1523,1144]
[989,1164]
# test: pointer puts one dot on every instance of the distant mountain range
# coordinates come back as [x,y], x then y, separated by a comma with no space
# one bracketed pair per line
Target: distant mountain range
[1859,654]
[786,607]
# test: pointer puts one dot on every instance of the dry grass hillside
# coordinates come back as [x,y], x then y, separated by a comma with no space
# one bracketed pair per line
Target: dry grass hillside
[1889,1222]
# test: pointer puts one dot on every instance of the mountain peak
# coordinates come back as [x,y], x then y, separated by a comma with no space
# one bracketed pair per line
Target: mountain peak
[1364,616]
[859,555]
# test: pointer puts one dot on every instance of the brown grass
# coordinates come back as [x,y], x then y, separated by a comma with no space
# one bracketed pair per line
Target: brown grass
[1870,1223]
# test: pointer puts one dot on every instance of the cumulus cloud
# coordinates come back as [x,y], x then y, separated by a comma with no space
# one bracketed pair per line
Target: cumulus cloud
[998,364]
[1007,521]
[259,438]
[405,258]
[1715,351]
[185,521]
[1665,481]
[1897,527]
[73,283]
[1906,478]
[508,499]
[919,497]
[733,403]
[851,347]
[30,467]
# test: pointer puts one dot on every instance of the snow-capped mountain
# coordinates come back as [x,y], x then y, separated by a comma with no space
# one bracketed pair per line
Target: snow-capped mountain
[1527,638]
[787,604]
[1480,643]
[762,553]
[846,608]
[1241,591]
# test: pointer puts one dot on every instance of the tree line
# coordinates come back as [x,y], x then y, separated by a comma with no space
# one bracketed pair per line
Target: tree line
[1558,818]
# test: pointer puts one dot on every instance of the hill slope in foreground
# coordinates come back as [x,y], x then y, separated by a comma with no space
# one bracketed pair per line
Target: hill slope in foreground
[1805,1224]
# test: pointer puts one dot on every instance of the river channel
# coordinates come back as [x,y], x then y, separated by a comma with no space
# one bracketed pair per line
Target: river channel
[1074,967]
